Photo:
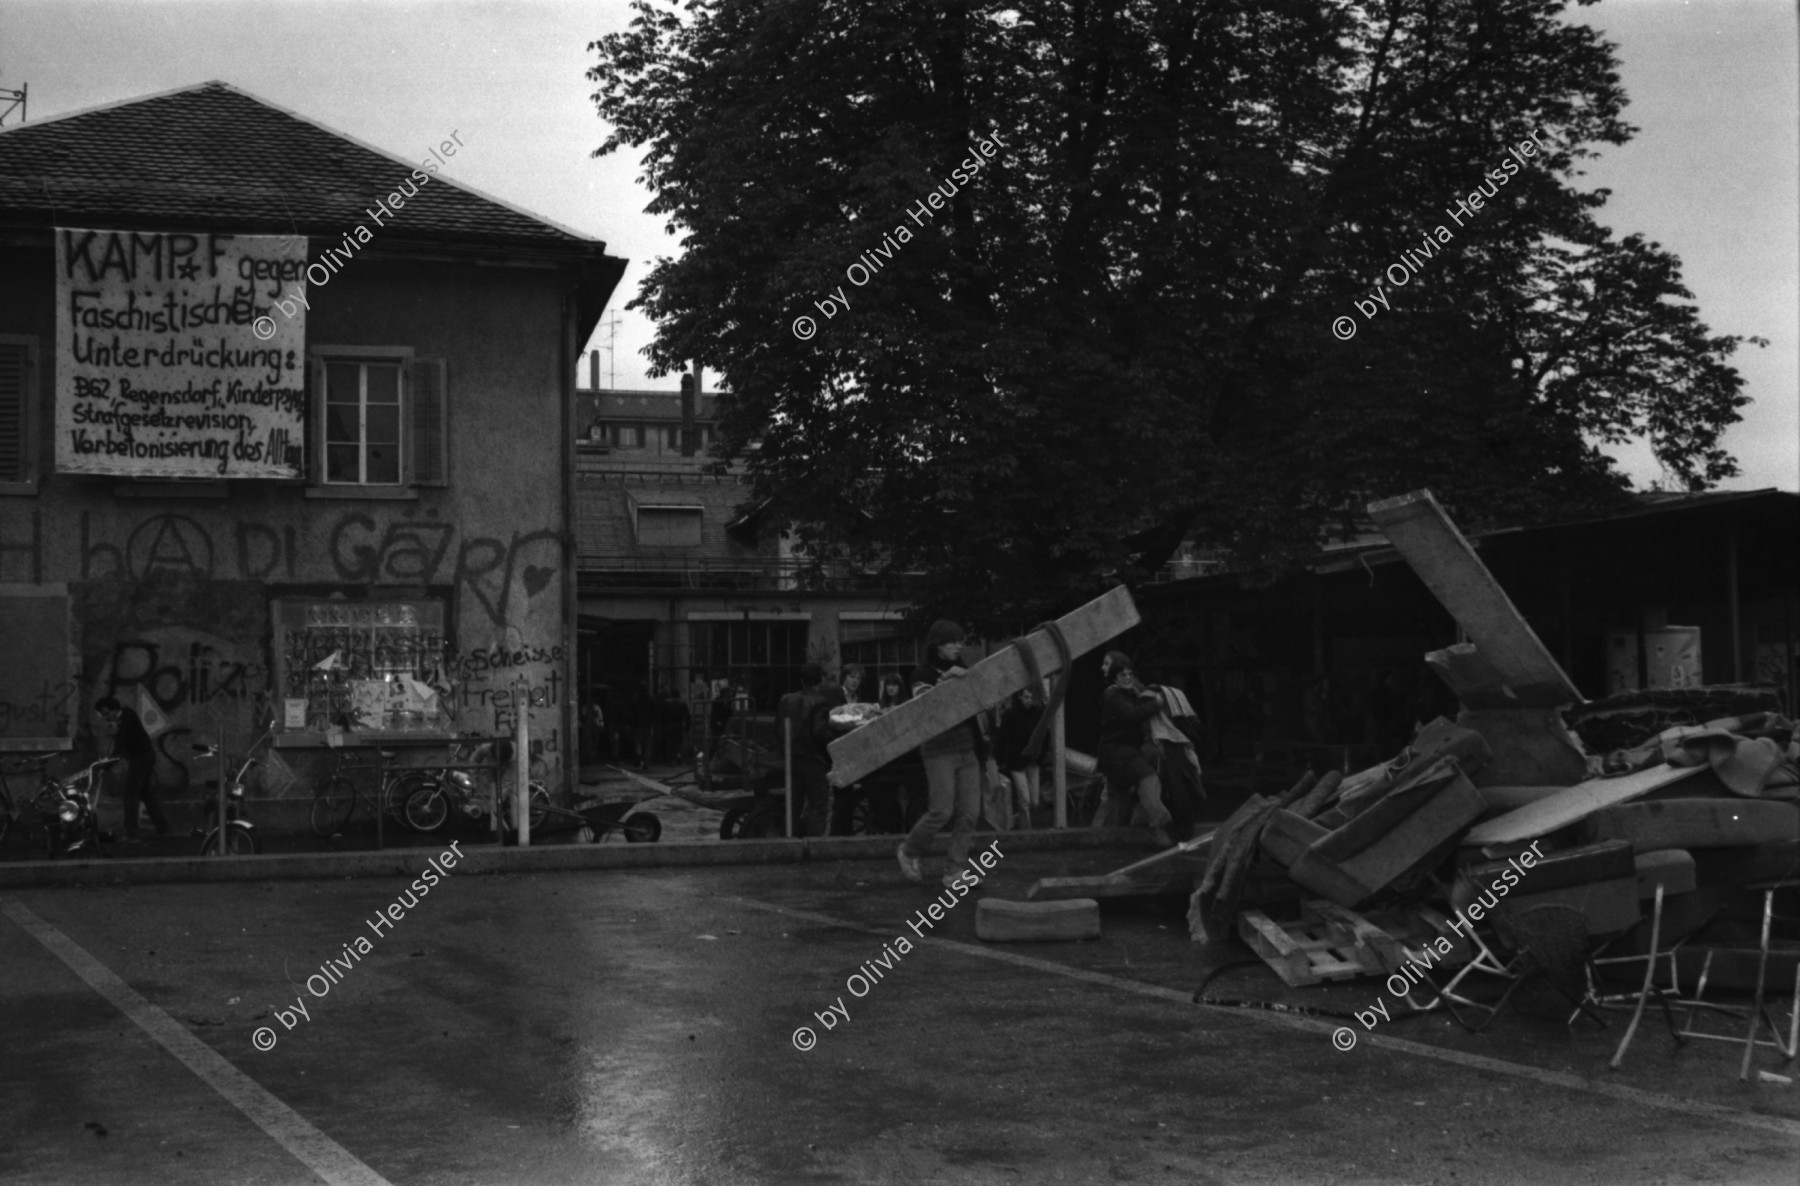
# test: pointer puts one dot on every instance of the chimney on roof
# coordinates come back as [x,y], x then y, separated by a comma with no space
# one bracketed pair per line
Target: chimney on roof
[593,370]
[690,403]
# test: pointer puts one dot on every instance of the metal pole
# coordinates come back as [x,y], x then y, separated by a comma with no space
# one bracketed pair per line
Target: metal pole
[380,801]
[1731,598]
[522,762]
[223,838]
[1059,768]
[787,769]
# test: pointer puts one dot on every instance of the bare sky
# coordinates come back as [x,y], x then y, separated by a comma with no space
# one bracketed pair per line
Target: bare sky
[1713,176]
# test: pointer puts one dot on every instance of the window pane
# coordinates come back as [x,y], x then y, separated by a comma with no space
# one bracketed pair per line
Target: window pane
[383,424]
[384,463]
[384,384]
[342,382]
[340,463]
[343,423]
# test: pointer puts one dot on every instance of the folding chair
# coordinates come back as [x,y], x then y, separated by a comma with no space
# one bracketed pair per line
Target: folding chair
[1758,1012]
[1549,943]
[1664,996]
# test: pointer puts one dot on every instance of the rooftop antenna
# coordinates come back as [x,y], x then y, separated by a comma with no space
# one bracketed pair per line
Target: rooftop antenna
[11,101]
[612,351]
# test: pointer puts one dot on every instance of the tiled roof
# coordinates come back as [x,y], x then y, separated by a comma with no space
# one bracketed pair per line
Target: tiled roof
[214,156]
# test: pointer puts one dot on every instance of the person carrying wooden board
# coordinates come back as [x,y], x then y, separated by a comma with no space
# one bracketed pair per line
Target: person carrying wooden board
[954,761]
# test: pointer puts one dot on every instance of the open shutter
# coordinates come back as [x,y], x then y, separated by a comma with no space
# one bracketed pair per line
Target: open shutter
[428,422]
[15,392]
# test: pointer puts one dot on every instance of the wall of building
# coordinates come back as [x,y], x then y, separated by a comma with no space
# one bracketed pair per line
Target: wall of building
[172,595]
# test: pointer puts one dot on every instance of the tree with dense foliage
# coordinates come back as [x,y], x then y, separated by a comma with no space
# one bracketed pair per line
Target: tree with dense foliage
[1119,330]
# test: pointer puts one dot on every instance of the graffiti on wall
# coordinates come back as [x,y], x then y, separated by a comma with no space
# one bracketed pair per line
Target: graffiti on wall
[501,576]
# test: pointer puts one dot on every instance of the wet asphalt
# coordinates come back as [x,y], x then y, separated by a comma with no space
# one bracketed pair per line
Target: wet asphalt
[639,1027]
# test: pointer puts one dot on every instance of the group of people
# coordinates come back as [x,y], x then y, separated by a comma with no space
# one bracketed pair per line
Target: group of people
[1137,741]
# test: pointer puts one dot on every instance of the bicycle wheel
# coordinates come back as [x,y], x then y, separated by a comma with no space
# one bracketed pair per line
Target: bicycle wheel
[427,808]
[540,807]
[401,787]
[240,841]
[332,806]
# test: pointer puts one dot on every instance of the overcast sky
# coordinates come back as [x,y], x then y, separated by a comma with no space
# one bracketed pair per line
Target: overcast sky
[1714,175]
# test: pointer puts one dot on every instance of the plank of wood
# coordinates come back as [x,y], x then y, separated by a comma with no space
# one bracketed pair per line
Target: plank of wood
[1277,950]
[1000,921]
[984,685]
[1364,936]
[1064,889]
[1442,557]
[1574,804]
[1695,823]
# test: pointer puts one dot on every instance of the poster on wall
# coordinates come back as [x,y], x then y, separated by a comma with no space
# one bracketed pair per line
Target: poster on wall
[177,356]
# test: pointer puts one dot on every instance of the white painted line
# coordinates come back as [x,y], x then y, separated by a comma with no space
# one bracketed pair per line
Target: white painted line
[1618,1091]
[318,1152]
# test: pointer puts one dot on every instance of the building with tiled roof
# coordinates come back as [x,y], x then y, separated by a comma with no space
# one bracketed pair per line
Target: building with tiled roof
[286,423]
[680,576]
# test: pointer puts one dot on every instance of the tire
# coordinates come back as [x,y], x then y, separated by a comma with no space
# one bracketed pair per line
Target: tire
[399,789]
[728,827]
[240,841]
[540,807]
[763,823]
[642,828]
[332,805]
[427,809]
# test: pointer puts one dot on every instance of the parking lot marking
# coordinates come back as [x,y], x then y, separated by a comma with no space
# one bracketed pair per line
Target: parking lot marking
[318,1152]
[1618,1091]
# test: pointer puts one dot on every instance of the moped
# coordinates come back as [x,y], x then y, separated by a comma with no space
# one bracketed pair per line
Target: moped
[66,809]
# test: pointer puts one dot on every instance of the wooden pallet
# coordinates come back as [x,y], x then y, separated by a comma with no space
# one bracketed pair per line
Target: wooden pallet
[1333,943]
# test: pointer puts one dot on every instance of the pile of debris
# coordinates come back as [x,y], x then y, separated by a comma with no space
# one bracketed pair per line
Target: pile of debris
[1348,877]
[1356,875]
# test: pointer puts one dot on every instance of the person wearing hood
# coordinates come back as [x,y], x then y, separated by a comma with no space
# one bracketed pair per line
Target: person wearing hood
[953,762]
[1128,757]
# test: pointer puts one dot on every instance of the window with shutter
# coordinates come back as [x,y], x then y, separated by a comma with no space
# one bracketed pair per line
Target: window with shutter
[368,405]
[429,422]
[16,388]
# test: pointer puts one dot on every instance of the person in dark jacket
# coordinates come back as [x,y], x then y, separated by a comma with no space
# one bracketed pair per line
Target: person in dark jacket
[1016,726]
[1126,708]
[131,742]
[953,763]
[809,711]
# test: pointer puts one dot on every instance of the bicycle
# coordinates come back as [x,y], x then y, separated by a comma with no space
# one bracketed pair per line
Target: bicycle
[428,807]
[334,801]
[240,833]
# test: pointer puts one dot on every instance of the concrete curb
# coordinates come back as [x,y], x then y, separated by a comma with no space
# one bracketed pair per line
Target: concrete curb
[410,862]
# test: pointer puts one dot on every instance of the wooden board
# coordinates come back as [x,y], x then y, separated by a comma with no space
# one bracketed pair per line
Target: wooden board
[986,684]
[1574,804]
[1437,551]
[1000,921]
[1695,823]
